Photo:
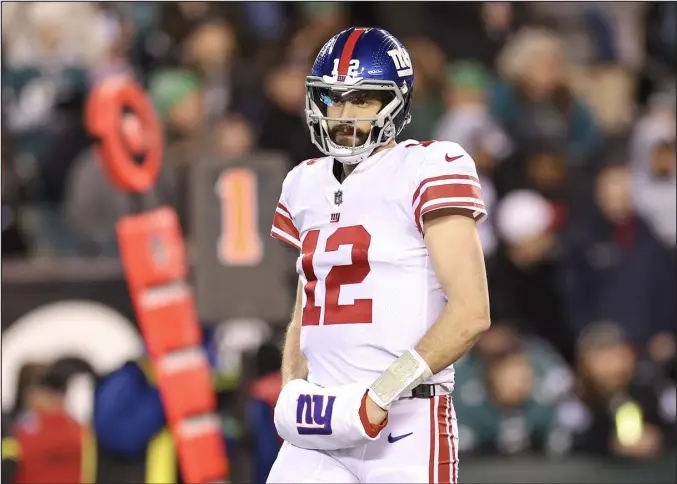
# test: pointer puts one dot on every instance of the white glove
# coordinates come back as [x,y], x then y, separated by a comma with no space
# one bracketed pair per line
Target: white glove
[313,417]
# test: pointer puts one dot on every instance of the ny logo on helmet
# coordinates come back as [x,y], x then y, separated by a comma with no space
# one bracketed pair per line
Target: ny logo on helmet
[402,62]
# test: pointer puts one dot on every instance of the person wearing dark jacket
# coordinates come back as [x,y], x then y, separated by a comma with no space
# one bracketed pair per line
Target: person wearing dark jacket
[616,269]
[131,427]
[619,409]
[523,272]
[263,394]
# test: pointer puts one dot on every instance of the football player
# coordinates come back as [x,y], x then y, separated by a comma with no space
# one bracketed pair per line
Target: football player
[392,286]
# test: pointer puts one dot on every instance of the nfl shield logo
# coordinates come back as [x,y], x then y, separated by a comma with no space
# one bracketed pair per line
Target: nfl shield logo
[338,197]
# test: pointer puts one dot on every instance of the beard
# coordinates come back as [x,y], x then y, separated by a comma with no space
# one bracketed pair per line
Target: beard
[348,135]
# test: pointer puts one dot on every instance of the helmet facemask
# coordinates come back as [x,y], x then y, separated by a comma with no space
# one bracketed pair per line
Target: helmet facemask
[321,94]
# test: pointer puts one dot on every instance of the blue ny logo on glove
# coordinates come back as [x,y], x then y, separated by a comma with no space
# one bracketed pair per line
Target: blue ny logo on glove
[317,417]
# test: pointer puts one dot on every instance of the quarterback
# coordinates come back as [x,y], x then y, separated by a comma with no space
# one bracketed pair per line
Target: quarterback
[392,286]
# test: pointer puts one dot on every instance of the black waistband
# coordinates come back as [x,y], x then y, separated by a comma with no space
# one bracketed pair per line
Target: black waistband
[424,390]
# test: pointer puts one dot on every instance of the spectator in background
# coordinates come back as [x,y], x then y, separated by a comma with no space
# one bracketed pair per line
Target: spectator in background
[616,269]
[46,443]
[652,165]
[534,102]
[284,127]
[13,239]
[541,166]
[427,105]
[93,205]
[129,416]
[618,412]
[463,30]
[319,22]
[179,98]
[177,21]
[53,51]
[506,395]
[211,52]
[523,272]
[234,137]
[48,49]
[10,451]
[598,33]
[263,394]
[467,120]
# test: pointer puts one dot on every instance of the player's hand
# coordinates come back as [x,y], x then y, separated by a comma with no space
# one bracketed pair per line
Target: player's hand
[375,414]
[341,417]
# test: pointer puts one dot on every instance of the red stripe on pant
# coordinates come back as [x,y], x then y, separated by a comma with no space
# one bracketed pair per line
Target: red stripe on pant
[433,424]
[442,446]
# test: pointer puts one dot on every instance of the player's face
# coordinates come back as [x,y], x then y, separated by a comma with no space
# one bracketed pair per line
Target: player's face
[353,104]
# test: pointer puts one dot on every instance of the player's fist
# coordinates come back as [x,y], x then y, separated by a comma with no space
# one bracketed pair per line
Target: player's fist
[375,414]
[313,417]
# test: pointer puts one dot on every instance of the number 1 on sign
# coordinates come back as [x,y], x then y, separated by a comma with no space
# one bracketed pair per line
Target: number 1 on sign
[239,243]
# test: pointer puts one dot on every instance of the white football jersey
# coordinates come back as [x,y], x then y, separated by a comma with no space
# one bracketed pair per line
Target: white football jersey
[370,291]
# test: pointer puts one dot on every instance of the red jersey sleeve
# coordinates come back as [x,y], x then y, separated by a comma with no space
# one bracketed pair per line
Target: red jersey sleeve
[283,223]
[447,178]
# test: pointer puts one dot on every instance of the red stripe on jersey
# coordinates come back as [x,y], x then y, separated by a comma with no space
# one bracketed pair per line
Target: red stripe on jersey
[438,178]
[452,190]
[444,437]
[473,206]
[285,224]
[284,209]
[347,53]
[431,464]
[286,241]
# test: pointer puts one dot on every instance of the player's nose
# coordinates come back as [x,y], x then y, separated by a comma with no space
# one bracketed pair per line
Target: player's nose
[349,111]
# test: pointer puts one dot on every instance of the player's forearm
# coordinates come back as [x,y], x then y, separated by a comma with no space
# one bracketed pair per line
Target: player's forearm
[453,334]
[294,364]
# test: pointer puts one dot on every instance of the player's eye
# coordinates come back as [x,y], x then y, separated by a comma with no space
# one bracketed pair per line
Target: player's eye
[362,99]
[363,102]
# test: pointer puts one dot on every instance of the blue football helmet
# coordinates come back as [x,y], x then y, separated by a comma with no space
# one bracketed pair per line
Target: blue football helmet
[360,61]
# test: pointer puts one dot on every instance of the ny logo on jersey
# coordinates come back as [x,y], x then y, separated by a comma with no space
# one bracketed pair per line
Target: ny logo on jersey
[312,417]
[334,218]
[402,62]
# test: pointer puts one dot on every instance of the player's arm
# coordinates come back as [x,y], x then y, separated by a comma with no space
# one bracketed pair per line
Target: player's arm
[447,204]
[345,422]
[294,365]
[456,254]
[284,229]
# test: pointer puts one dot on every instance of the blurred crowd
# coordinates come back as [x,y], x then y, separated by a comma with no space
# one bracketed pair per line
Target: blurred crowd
[567,108]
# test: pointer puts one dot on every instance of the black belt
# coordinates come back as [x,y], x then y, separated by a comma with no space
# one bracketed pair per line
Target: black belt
[429,390]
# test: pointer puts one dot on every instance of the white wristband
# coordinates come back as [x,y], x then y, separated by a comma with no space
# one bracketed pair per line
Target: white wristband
[402,376]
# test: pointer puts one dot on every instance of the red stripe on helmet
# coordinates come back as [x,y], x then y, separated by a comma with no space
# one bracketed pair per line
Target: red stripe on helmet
[347,53]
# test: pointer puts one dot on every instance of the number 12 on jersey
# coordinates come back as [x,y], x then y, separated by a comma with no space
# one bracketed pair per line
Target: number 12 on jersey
[360,311]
